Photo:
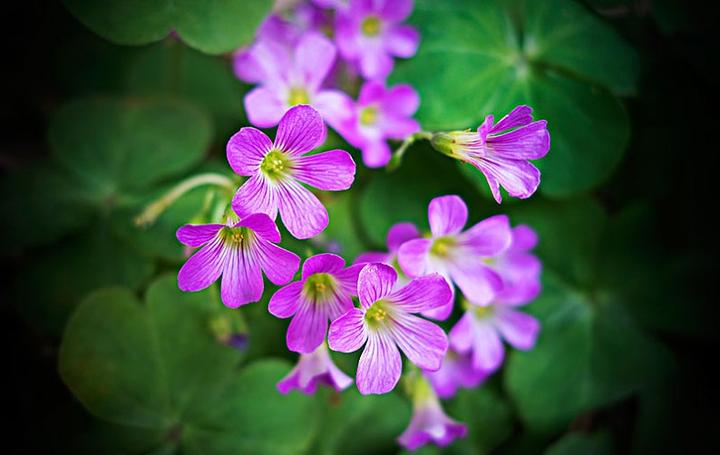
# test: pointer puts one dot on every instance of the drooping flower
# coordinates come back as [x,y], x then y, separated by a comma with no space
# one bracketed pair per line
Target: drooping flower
[396,236]
[240,252]
[461,257]
[502,151]
[518,268]
[371,33]
[429,423]
[323,293]
[313,369]
[481,330]
[291,79]
[456,372]
[385,321]
[276,170]
[380,114]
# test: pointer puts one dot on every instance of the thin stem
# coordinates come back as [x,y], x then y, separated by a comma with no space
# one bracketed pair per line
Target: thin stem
[150,214]
[400,152]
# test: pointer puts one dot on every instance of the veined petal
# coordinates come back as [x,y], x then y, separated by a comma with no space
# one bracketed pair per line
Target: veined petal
[488,351]
[413,256]
[520,116]
[380,365]
[529,142]
[422,294]
[307,329]
[256,195]
[478,282]
[322,263]
[423,342]
[488,238]
[278,264]
[301,212]
[262,225]
[402,41]
[519,178]
[375,281]
[519,329]
[314,57]
[442,312]
[203,268]
[242,281]
[330,171]
[284,303]
[301,130]
[246,150]
[348,279]
[264,107]
[447,215]
[400,233]
[194,235]
[348,332]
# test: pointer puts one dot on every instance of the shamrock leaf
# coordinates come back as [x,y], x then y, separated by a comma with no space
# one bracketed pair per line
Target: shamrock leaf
[480,58]
[212,27]
[157,367]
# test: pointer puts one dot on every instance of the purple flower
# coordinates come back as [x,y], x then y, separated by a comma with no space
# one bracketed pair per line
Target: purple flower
[518,268]
[481,329]
[276,170]
[397,235]
[501,151]
[240,252]
[380,113]
[370,33]
[456,371]
[429,423]
[290,79]
[324,292]
[313,369]
[461,257]
[281,34]
[385,321]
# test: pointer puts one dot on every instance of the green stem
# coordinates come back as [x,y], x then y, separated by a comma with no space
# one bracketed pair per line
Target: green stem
[400,152]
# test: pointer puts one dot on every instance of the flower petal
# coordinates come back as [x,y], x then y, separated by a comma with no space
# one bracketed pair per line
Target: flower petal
[264,108]
[423,342]
[335,106]
[330,171]
[322,263]
[529,142]
[348,279]
[519,178]
[422,294]
[246,150]
[521,115]
[519,329]
[478,282]
[402,100]
[301,211]
[442,312]
[487,238]
[372,256]
[396,10]
[278,264]
[380,365]
[524,238]
[194,235]
[375,63]
[256,195]
[400,233]
[462,334]
[395,127]
[375,153]
[402,41]
[447,215]
[284,303]
[262,225]
[413,256]
[348,333]
[488,351]
[203,268]
[242,281]
[307,329]
[375,282]
[301,130]
[314,57]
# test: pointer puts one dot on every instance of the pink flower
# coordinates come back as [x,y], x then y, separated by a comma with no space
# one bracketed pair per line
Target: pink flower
[502,151]
[371,33]
[275,171]
[397,235]
[240,252]
[460,256]
[456,372]
[385,321]
[313,369]
[380,114]
[323,293]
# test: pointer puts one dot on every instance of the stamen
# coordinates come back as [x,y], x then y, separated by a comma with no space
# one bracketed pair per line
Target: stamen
[371,26]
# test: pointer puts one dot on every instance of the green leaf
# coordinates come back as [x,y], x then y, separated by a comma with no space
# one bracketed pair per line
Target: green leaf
[487,57]
[213,26]
[587,444]
[487,415]
[157,366]
[115,145]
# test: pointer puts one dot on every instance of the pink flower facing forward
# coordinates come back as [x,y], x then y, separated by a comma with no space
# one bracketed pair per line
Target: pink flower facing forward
[397,235]
[290,79]
[324,293]
[276,170]
[240,252]
[456,372]
[461,257]
[501,151]
[380,114]
[429,423]
[385,321]
[313,369]
[371,33]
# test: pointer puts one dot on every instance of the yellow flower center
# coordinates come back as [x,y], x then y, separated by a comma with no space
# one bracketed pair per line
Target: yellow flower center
[441,246]
[298,95]
[371,26]
[376,314]
[319,287]
[236,236]
[368,115]
[480,312]
[275,164]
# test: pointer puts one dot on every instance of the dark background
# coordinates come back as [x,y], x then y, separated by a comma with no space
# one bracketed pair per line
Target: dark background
[670,164]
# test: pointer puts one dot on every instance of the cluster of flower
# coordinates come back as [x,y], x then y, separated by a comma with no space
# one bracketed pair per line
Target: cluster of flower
[490,263]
